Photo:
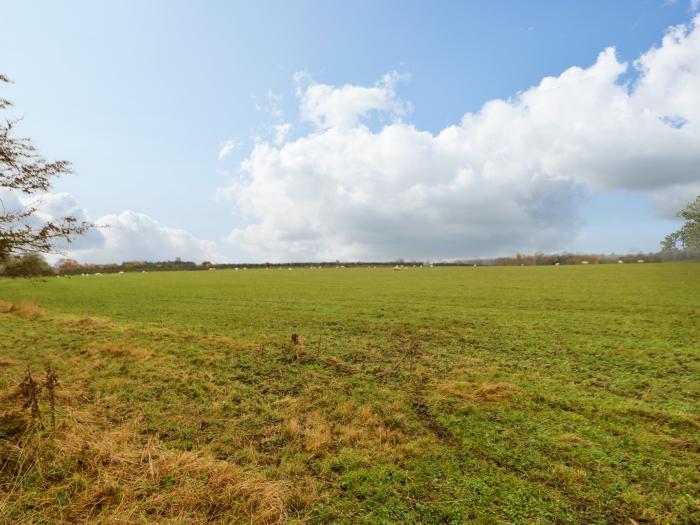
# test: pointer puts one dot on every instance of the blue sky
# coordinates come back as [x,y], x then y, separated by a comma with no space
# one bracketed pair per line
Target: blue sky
[140,96]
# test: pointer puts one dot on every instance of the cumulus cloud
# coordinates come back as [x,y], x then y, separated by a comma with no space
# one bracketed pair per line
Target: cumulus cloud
[328,106]
[507,177]
[48,207]
[118,237]
[130,236]
[51,206]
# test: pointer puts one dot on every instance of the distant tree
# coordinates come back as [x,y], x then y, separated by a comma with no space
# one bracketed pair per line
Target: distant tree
[28,265]
[24,170]
[68,266]
[688,237]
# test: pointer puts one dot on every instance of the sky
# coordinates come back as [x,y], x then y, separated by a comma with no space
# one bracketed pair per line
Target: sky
[365,130]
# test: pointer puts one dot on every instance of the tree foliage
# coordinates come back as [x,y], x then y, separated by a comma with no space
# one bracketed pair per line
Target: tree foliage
[688,237]
[28,265]
[24,170]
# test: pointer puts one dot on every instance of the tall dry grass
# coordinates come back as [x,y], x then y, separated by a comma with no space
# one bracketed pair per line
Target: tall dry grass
[92,471]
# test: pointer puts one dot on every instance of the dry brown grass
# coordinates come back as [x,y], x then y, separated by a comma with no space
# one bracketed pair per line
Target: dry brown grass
[8,362]
[680,443]
[83,324]
[338,365]
[360,425]
[122,479]
[71,323]
[566,475]
[313,431]
[24,310]
[644,512]
[345,424]
[120,350]
[673,419]
[569,439]
[484,392]
[91,471]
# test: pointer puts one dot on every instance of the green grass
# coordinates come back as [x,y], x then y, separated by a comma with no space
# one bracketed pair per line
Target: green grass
[447,395]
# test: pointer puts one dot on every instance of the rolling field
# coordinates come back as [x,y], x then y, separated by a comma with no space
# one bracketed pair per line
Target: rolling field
[563,394]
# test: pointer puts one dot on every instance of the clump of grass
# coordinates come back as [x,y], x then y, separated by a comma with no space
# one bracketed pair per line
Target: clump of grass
[567,475]
[5,362]
[569,439]
[314,432]
[337,364]
[412,348]
[85,324]
[120,350]
[24,310]
[476,392]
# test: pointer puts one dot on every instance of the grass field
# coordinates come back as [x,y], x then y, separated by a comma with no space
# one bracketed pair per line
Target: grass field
[442,395]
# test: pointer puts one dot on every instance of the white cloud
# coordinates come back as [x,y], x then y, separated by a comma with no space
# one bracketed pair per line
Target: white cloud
[506,178]
[132,236]
[48,207]
[328,106]
[226,147]
[281,132]
[694,5]
[119,237]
